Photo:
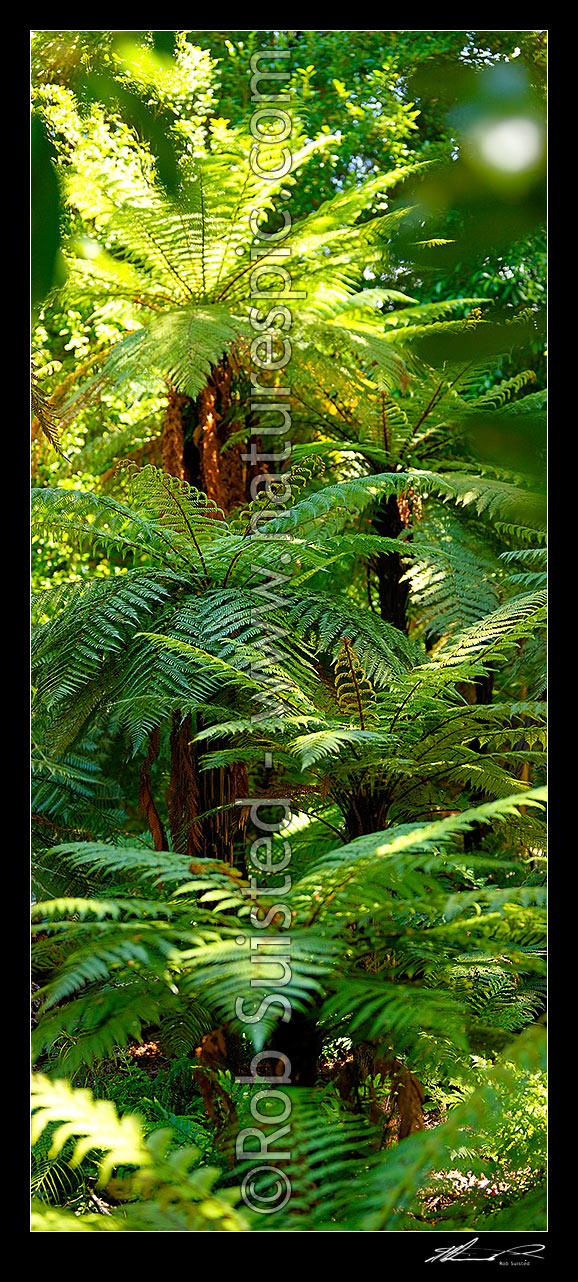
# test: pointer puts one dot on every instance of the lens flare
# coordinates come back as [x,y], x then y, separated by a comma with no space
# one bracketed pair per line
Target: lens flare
[512,146]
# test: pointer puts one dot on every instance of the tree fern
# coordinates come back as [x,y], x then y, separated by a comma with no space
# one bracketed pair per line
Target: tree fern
[360,635]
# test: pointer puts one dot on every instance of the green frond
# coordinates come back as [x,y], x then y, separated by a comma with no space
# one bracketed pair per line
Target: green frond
[389,1191]
[180,346]
[453,577]
[425,838]
[501,630]
[500,500]
[354,692]
[175,1187]
[354,642]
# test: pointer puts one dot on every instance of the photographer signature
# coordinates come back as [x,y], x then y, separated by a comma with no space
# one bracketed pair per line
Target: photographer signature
[469,1251]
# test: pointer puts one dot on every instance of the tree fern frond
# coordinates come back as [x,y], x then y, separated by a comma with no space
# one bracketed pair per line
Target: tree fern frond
[453,577]
[500,630]
[426,837]
[180,345]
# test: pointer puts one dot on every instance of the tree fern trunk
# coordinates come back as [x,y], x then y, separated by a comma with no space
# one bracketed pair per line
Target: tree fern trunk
[192,436]
[389,568]
[194,792]
[145,796]
[173,436]
[222,475]
[481,693]
[365,812]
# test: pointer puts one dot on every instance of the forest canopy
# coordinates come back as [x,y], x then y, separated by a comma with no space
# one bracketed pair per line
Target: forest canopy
[288,658]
